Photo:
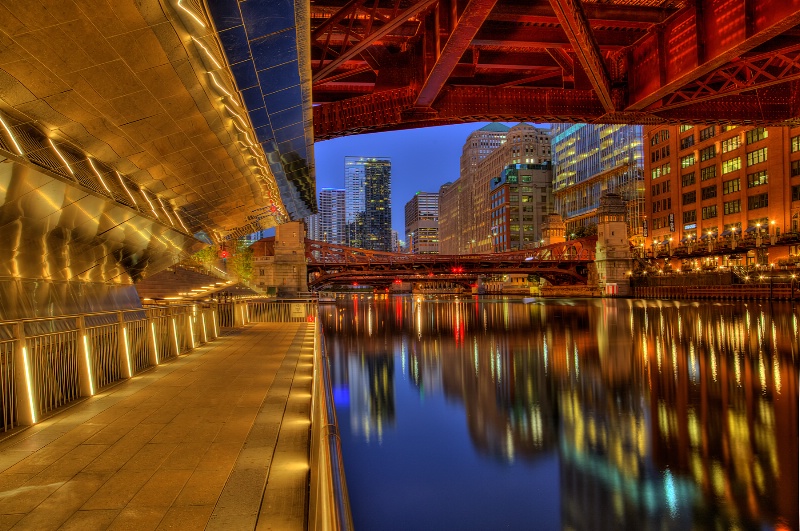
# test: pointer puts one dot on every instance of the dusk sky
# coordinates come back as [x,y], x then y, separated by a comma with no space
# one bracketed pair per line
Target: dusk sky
[422,160]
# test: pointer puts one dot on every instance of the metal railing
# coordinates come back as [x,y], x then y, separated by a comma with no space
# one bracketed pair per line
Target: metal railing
[46,363]
[329,505]
[284,311]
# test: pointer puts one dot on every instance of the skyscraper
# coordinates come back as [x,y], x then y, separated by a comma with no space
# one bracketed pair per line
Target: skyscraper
[368,207]
[591,158]
[422,223]
[332,216]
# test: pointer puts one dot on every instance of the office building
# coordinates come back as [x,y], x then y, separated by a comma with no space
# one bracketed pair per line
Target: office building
[422,223]
[368,208]
[332,226]
[465,205]
[589,159]
[521,198]
[711,186]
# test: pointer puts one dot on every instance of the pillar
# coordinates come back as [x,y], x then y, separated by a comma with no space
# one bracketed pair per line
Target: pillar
[613,253]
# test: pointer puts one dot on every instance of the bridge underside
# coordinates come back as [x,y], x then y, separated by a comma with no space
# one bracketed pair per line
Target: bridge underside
[401,64]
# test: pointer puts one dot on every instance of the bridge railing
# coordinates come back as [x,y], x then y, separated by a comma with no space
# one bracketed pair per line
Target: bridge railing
[47,363]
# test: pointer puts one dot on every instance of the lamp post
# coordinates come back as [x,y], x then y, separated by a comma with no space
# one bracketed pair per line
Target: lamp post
[773,233]
[733,241]
[758,234]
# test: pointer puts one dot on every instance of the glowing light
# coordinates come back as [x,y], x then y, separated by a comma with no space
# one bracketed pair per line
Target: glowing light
[214,315]
[166,212]
[28,383]
[153,208]
[88,365]
[191,14]
[155,345]
[219,86]
[60,156]
[180,221]
[208,52]
[124,187]
[203,320]
[127,350]
[175,335]
[11,135]
[96,172]
[191,330]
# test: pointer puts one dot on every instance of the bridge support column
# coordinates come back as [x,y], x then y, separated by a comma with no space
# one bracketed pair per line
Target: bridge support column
[291,272]
[613,254]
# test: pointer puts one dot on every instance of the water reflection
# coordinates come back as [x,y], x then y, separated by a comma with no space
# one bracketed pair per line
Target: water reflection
[654,414]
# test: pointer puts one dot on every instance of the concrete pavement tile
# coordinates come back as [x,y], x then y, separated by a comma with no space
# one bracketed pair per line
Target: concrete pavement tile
[137,519]
[118,491]
[90,520]
[185,518]
[203,488]
[162,489]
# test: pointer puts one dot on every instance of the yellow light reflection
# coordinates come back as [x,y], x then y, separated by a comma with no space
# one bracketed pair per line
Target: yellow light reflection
[28,382]
[88,364]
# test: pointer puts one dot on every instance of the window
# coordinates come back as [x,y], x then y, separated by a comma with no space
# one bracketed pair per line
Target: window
[757,156]
[710,212]
[708,153]
[731,165]
[796,193]
[759,133]
[707,133]
[688,179]
[709,192]
[685,127]
[665,185]
[689,198]
[732,207]
[687,161]
[757,201]
[665,136]
[709,172]
[687,142]
[795,168]
[756,179]
[690,216]
[728,187]
[795,143]
[731,144]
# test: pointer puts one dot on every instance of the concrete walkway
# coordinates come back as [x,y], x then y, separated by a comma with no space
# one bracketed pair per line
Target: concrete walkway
[217,438]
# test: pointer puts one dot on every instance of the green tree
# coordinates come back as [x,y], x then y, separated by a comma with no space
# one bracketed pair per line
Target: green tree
[241,261]
[206,255]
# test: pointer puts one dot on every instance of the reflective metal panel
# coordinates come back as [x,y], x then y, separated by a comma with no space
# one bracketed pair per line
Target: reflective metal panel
[65,250]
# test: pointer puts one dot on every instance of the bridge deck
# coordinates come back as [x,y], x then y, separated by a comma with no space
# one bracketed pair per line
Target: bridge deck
[218,439]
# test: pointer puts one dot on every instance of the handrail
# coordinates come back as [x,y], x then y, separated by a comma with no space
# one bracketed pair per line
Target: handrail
[329,507]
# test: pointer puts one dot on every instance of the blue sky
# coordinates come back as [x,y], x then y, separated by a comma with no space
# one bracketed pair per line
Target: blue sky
[422,160]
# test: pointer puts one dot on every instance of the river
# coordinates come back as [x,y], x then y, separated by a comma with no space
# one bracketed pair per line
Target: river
[478,413]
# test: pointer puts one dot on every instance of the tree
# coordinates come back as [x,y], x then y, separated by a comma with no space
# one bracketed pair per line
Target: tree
[241,261]
[206,255]
[584,230]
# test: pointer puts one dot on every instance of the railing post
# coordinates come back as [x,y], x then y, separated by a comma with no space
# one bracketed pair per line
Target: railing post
[214,320]
[123,348]
[27,406]
[85,375]
[188,327]
[152,341]
[174,335]
[237,315]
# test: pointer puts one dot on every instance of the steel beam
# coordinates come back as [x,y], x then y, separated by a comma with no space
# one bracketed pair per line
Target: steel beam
[368,40]
[501,35]
[469,23]
[573,21]
[725,27]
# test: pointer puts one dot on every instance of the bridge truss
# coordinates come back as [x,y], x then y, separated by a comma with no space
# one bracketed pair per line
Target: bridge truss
[560,264]
[396,64]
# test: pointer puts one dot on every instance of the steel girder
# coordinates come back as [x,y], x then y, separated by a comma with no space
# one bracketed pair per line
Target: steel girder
[659,63]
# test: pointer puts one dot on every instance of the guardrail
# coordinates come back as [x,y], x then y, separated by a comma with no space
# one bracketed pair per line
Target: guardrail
[46,363]
[329,505]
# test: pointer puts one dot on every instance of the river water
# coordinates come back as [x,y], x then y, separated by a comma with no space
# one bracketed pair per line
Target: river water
[485,414]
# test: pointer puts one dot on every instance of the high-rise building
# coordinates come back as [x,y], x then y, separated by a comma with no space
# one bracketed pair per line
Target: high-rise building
[714,186]
[465,205]
[422,223]
[313,227]
[332,226]
[590,159]
[368,207]
[521,197]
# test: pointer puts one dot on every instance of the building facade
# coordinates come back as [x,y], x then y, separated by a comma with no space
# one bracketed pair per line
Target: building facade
[521,198]
[589,159]
[484,156]
[368,207]
[422,223]
[331,224]
[711,186]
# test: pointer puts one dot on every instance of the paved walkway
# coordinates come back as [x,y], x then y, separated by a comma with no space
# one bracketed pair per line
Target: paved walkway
[215,439]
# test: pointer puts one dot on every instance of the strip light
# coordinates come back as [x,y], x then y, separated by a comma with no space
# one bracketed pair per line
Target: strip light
[88,365]
[122,182]
[166,212]
[149,202]
[208,52]
[223,89]
[102,181]
[214,315]
[155,346]
[180,220]
[175,335]
[11,134]
[127,350]
[28,380]
[191,329]
[191,14]
[205,334]
[60,156]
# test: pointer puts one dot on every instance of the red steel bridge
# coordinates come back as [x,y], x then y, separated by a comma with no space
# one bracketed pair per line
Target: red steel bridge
[561,264]
[396,64]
